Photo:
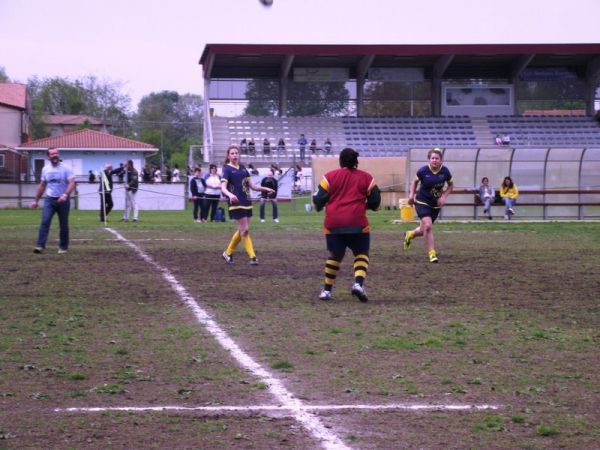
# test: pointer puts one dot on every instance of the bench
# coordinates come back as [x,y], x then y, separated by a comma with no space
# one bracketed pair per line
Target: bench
[523,201]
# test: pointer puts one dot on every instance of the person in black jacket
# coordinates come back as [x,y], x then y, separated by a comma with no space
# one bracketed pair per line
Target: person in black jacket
[105,190]
[197,191]
[270,182]
[132,183]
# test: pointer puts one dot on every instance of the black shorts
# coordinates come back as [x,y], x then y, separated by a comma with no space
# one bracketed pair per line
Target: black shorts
[240,213]
[427,211]
[357,242]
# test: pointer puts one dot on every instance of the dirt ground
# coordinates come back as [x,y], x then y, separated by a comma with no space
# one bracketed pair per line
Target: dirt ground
[506,318]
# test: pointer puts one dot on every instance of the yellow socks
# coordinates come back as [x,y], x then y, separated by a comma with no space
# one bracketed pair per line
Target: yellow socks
[331,269]
[235,240]
[248,246]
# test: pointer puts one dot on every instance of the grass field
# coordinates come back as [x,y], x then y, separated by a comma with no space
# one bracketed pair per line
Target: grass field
[509,319]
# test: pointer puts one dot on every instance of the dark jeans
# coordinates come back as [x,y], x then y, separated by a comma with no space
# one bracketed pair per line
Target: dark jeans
[51,207]
[200,208]
[212,203]
[262,209]
[106,198]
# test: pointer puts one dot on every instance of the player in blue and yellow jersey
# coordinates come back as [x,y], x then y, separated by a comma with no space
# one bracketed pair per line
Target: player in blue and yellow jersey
[347,193]
[235,185]
[429,199]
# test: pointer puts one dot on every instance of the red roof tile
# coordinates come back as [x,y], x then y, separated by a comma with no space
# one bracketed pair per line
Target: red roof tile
[70,119]
[87,138]
[13,94]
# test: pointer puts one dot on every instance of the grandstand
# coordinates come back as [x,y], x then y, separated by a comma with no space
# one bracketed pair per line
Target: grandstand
[394,136]
[547,131]
[386,99]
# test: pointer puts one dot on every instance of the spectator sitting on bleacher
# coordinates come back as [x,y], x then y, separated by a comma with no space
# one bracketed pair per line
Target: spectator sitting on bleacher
[266,147]
[313,146]
[244,147]
[327,146]
[251,147]
[498,139]
[281,146]
[505,139]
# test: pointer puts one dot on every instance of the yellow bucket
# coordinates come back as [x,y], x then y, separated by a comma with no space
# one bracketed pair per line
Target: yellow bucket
[407,212]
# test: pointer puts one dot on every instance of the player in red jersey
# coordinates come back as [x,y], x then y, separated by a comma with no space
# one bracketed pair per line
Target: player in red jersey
[346,193]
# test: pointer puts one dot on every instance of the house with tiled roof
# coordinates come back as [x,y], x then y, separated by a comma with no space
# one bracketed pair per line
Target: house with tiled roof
[86,150]
[57,124]
[14,119]
[14,129]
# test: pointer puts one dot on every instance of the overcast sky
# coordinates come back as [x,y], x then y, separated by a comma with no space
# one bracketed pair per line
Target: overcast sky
[155,45]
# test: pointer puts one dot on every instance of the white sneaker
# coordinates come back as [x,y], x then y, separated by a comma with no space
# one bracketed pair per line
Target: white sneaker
[360,292]
[62,251]
[276,220]
[262,220]
[228,258]
[325,295]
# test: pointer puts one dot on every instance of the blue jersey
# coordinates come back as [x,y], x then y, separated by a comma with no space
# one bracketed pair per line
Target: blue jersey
[238,183]
[431,184]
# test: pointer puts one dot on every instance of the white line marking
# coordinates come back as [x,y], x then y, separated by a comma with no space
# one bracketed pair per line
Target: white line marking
[148,239]
[399,406]
[276,387]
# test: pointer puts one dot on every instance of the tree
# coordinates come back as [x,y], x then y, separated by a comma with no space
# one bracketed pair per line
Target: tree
[86,96]
[397,98]
[171,122]
[317,99]
[304,99]
[3,77]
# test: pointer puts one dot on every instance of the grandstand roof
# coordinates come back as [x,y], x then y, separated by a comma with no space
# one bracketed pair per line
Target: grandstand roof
[467,61]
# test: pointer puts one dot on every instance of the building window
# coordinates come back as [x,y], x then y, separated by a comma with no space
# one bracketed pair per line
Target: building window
[1,160]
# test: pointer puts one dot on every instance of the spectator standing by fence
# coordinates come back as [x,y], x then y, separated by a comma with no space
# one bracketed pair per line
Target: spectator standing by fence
[132,183]
[509,194]
[313,147]
[105,189]
[57,183]
[176,174]
[213,192]
[251,147]
[197,192]
[157,175]
[270,182]
[244,146]
[429,199]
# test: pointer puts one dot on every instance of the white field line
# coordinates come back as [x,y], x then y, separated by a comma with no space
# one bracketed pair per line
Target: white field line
[251,408]
[311,422]
[113,240]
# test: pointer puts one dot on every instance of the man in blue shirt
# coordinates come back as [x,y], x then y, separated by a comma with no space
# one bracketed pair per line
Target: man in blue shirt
[58,182]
